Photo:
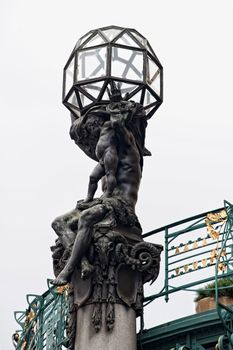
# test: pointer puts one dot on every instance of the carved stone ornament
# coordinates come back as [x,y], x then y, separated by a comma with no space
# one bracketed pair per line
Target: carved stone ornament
[114,269]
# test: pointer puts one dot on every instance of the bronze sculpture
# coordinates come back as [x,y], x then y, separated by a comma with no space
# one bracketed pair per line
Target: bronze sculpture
[99,243]
[124,163]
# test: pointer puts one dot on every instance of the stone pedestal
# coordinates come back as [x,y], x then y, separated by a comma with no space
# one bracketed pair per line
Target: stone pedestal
[121,337]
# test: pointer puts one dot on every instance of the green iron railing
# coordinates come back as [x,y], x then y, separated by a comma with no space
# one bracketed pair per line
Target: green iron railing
[194,248]
[44,323]
[225,312]
[204,258]
[197,250]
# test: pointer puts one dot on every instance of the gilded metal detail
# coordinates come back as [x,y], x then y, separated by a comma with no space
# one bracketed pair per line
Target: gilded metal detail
[62,289]
[204,242]
[195,265]
[186,248]
[204,262]
[195,245]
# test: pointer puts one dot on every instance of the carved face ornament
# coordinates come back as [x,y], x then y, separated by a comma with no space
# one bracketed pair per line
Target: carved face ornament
[104,246]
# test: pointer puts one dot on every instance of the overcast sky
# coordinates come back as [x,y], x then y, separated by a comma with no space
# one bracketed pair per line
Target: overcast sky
[43,173]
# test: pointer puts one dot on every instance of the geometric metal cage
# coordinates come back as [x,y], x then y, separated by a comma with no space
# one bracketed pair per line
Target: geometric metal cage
[114,54]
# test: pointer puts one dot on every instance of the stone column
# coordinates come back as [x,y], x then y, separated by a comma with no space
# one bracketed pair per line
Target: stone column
[121,337]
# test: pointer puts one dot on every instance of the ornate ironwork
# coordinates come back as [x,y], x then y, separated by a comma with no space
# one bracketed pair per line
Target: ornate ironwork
[225,312]
[187,254]
[47,322]
[40,323]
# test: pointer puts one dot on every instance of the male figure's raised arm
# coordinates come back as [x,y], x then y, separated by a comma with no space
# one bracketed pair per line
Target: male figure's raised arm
[123,134]
[120,116]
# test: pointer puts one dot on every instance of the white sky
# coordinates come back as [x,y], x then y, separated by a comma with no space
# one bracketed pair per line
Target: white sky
[43,172]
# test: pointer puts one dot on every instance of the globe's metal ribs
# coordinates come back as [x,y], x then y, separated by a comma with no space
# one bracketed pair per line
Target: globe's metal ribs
[112,54]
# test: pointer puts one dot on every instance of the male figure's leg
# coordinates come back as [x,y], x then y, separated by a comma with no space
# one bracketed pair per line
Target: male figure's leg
[62,226]
[88,218]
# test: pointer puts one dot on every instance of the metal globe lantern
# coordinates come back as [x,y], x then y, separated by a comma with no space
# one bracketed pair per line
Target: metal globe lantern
[112,54]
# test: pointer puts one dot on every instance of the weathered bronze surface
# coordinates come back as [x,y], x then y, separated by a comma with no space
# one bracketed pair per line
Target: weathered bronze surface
[99,250]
